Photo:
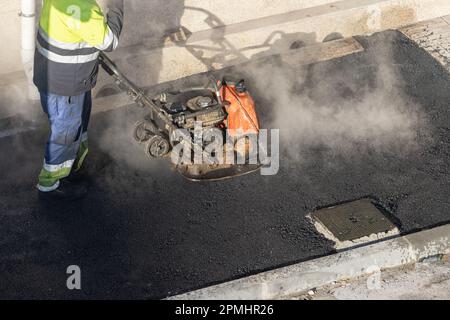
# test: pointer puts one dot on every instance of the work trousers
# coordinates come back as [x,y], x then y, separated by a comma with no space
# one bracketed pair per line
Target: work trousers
[67,145]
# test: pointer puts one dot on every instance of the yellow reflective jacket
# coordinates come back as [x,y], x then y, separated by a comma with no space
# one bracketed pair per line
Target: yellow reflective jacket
[71,33]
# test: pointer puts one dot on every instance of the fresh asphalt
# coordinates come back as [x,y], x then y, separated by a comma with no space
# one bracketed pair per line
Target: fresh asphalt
[144,232]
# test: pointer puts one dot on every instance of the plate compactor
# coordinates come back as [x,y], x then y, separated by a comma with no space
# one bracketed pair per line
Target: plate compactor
[175,118]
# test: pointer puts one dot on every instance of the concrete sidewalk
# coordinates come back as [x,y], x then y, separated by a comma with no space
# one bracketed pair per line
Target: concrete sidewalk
[345,266]
[422,281]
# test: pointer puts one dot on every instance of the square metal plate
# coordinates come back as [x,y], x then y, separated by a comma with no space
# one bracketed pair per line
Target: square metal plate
[353,220]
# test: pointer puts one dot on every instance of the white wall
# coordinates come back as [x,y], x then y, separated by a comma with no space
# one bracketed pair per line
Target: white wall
[151,19]
[9,36]
[148,22]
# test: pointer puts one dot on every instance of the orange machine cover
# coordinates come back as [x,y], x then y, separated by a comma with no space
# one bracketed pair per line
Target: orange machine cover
[241,111]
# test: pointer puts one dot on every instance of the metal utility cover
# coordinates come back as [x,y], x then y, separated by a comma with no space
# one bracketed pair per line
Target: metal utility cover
[353,220]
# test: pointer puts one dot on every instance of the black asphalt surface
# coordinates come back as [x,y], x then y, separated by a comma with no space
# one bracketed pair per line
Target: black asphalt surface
[145,232]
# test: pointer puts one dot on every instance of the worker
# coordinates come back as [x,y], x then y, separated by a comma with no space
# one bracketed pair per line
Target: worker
[71,34]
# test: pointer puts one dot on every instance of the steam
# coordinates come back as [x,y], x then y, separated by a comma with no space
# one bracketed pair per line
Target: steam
[117,140]
[330,110]
[14,102]
[345,112]
[155,20]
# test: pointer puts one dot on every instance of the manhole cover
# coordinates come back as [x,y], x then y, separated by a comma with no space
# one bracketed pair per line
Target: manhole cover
[353,223]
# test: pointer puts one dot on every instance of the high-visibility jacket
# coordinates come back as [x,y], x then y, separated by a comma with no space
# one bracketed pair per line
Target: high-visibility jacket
[71,34]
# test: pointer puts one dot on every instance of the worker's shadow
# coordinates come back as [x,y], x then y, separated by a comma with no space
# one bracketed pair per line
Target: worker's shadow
[259,63]
[140,54]
[150,27]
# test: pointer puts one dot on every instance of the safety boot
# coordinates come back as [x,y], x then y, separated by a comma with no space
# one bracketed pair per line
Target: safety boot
[67,190]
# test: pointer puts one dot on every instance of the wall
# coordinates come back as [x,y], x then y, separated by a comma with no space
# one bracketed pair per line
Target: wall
[9,36]
[147,20]
[234,23]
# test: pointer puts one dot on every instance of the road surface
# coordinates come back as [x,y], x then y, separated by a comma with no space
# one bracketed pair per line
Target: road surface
[144,232]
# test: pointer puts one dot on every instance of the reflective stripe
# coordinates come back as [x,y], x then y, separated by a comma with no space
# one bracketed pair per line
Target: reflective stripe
[60,79]
[57,167]
[66,59]
[63,45]
[49,189]
[116,42]
[51,174]
[64,52]
[108,41]
[82,154]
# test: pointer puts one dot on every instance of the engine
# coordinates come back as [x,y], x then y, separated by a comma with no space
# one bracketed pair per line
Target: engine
[188,108]
[228,107]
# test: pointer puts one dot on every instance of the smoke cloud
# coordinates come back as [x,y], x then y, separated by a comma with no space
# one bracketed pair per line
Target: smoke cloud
[339,110]
[17,112]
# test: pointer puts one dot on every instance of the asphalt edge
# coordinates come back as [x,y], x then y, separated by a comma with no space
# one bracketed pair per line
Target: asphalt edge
[353,263]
